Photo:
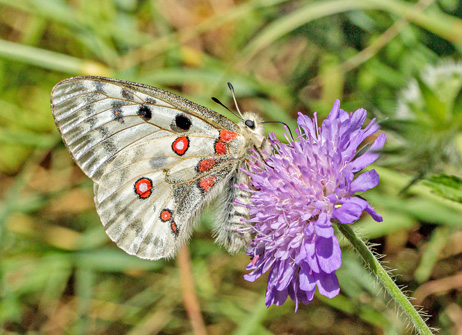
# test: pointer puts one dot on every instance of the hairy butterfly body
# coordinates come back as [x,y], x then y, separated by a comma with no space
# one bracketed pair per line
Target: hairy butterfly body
[156,159]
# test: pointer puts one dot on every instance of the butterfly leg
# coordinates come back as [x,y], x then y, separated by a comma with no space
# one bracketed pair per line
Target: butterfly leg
[231,231]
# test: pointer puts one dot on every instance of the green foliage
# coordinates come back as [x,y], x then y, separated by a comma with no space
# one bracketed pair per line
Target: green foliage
[61,274]
[449,187]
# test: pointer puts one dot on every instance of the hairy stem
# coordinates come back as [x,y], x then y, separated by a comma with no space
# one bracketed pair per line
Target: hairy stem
[385,280]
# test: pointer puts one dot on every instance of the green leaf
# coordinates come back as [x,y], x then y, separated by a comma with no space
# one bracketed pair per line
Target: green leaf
[449,187]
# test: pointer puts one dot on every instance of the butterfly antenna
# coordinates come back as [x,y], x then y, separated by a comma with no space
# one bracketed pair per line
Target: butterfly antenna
[221,104]
[285,124]
[231,88]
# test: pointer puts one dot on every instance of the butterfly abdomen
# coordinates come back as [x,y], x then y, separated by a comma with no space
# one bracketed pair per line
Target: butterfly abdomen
[231,229]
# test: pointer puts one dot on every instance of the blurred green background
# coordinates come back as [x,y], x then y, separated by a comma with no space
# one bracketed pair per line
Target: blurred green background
[60,274]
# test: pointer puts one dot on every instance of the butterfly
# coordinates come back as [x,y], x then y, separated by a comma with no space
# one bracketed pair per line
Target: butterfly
[156,159]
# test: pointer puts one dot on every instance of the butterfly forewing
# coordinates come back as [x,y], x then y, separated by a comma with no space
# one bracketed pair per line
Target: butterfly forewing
[97,117]
[156,158]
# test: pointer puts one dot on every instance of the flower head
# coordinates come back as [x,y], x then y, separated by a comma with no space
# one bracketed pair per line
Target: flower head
[295,195]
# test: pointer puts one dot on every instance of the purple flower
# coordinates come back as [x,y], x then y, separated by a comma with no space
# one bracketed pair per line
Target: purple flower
[295,195]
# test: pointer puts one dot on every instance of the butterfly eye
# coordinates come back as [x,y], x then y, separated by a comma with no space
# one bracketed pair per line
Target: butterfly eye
[250,124]
[183,122]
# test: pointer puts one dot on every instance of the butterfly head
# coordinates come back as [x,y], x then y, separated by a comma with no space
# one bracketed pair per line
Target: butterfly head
[252,128]
[252,122]
[251,125]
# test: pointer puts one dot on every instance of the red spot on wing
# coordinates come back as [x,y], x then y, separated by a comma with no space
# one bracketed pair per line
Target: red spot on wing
[180,145]
[174,228]
[220,147]
[143,187]
[166,215]
[227,135]
[206,164]
[207,182]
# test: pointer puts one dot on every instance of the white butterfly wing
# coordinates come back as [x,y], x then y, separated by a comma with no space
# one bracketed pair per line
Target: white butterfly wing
[155,158]
[98,116]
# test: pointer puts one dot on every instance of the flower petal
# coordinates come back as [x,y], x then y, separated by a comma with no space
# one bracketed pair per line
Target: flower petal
[307,278]
[328,254]
[324,231]
[297,294]
[311,259]
[275,297]
[370,156]
[328,284]
[350,210]
[365,181]
[373,213]
[306,124]
[286,277]
[301,256]
[323,227]
[334,111]
[357,119]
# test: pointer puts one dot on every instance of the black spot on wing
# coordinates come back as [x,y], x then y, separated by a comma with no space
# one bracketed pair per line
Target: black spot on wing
[145,112]
[183,122]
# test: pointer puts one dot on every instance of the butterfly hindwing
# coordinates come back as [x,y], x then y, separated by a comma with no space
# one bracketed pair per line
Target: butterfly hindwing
[156,158]
[150,214]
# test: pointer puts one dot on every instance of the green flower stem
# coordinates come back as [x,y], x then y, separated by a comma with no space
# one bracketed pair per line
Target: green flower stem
[388,284]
